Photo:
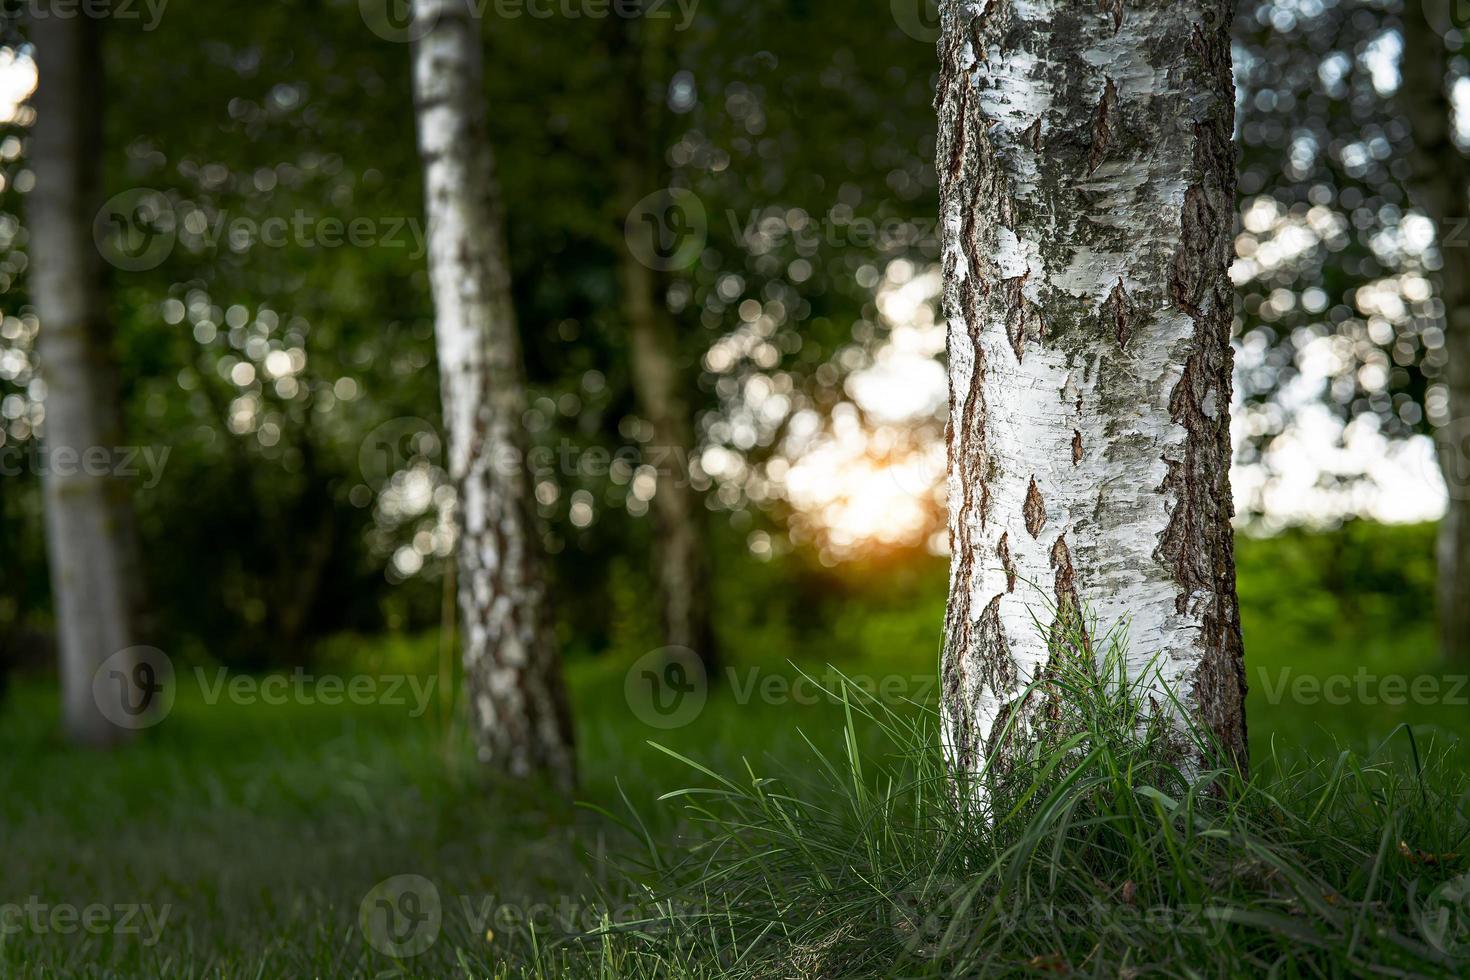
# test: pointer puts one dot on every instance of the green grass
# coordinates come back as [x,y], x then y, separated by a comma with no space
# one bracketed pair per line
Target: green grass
[263,828]
[1099,855]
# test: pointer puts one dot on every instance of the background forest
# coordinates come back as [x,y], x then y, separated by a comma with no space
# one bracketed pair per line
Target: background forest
[275,333]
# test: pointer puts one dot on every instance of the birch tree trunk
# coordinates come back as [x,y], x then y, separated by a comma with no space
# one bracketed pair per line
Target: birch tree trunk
[1087,194]
[517,696]
[660,380]
[91,533]
[1438,185]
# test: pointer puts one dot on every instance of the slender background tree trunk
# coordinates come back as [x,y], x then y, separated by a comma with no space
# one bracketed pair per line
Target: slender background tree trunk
[90,528]
[1087,182]
[680,561]
[660,378]
[1438,186]
[517,696]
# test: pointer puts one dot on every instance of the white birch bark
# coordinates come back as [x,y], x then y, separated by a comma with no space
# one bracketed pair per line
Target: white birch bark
[90,530]
[1087,194]
[517,698]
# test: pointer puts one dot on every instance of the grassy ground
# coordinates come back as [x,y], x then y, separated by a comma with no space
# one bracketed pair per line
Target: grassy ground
[245,840]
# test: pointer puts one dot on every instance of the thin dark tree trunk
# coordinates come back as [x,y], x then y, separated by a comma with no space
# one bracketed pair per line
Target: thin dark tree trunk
[91,532]
[513,676]
[661,378]
[1438,186]
[1087,193]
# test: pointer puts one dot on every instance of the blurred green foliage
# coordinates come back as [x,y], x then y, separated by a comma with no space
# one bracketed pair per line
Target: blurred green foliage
[1339,583]
[267,370]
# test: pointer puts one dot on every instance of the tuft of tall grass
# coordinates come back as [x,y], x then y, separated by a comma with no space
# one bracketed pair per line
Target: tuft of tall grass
[1104,852]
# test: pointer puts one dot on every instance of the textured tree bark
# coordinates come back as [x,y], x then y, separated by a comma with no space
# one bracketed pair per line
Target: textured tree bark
[659,379]
[1087,194]
[1438,186]
[681,566]
[90,528]
[517,695]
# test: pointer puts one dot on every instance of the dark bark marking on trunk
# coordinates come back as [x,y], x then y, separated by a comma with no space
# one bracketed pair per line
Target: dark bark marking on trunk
[1034,510]
[1061,560]
[1193,272]
[1102,126]
[1001,674]
[1118,311]
[1003,552]
[1022,315]
[1033,135]
[1068,602]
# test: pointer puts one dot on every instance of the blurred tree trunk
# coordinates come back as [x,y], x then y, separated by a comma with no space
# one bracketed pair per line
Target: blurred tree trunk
[1087,195]
[90,527]
[680,550]
[1438,185]
[517,695]
[660,379]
